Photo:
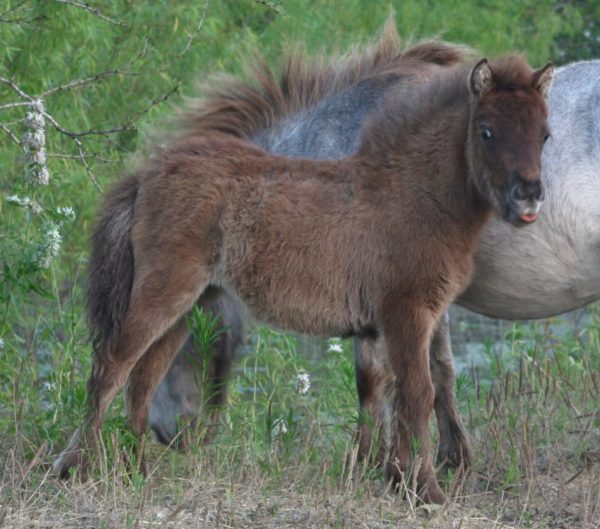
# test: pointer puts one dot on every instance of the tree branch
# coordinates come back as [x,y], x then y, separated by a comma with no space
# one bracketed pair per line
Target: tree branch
[13,85]
[81,83]
[93,10]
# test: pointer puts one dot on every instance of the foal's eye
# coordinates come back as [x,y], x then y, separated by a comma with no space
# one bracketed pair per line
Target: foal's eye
[546,136]
[486,133]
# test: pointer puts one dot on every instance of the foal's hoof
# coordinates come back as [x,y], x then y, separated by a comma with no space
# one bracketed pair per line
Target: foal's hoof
[432,493]
[70,458]
[455,456]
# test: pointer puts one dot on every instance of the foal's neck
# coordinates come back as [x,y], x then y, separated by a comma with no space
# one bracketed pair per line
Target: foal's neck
[417,147]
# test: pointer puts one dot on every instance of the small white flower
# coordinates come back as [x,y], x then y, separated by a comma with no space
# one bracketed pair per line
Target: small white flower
[34,144]
[302,382]
[33,141]
[17,200]
[37,157]
[42,176]
[49,386]
[38,106]
[24,202]
[53,239]
[334,345]
[279,428]
[67,212]
[1,343]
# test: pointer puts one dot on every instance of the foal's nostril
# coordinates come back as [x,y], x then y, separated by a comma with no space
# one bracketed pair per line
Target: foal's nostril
[527,190]
[518,192]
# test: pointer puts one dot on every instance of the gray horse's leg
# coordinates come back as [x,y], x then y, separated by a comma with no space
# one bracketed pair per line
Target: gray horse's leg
[454,449]
[377,429]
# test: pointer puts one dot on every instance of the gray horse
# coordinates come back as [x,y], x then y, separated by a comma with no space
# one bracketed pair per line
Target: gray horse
[566,238]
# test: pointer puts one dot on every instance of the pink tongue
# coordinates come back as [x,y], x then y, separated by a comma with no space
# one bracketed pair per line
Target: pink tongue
[528,218]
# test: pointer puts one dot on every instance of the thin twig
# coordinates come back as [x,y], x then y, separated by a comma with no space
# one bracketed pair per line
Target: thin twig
[83,156]
[105,132]
[93,10]
[13,85]
[81,83]
[157,101]
[192,36]
[11,134]
[93,156]
[82,153]
[15,104]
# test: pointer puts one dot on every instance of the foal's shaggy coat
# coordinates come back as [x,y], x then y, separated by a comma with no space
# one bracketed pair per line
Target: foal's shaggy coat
[313,109]
[377,244]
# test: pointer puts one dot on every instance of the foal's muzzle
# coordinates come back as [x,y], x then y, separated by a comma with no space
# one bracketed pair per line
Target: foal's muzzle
[523,200]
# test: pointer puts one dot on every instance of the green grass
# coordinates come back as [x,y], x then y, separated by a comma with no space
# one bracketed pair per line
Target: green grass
[533,420]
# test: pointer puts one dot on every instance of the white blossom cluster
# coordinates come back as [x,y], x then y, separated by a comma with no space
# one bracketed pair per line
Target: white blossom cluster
[1,344]
[34,144]
[67,212]
[24,202]
[50,245]
[334,345]
[302,382]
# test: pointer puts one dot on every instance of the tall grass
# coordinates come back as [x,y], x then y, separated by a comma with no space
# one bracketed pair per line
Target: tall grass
[533,418]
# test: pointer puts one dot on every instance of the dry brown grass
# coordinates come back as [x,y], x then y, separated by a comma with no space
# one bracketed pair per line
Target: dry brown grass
[198,493]
[535,432]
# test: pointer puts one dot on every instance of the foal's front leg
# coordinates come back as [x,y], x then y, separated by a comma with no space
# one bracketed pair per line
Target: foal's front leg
[407,333]
[375,387]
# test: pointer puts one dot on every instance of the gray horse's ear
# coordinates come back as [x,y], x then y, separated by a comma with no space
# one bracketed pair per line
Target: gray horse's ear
[481,79]
[542,79]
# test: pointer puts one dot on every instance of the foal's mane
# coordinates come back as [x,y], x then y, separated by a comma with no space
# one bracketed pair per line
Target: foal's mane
[405,114]
[241,108]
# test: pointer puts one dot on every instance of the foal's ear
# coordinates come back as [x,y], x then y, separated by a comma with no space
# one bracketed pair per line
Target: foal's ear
[481,80]
[542,79]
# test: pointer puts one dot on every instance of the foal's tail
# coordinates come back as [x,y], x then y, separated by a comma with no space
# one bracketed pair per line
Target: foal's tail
[111,264]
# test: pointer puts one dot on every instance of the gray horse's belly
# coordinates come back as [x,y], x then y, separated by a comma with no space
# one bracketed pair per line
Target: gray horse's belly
[535,272]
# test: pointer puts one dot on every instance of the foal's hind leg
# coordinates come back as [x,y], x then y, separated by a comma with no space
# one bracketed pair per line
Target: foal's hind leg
[454,449]
[147,374]
[375,387]
[159,298]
